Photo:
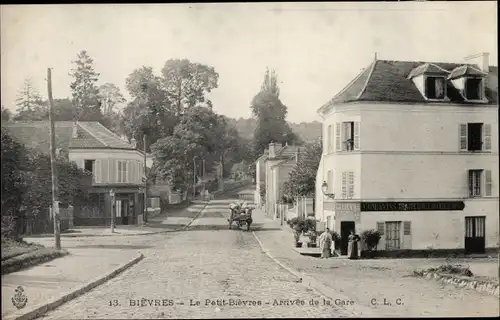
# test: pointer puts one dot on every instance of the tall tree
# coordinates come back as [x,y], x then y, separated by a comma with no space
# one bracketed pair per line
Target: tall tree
[150,111]
[270,113]
[187,83]
[110,96]
[85,92]
[29,103]
[270,84]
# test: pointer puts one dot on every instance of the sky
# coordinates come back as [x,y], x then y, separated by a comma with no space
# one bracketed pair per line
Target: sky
[315,48]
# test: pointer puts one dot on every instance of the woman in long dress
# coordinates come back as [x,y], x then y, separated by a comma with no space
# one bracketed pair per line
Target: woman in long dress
[353,242]
[325,243]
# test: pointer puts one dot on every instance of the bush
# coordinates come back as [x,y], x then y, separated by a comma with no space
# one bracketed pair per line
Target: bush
[371,238]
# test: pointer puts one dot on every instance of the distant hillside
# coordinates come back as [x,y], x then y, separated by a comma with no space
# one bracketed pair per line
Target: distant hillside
[307,131]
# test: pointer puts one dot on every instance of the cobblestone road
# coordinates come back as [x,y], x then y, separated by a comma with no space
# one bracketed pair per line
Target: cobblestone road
[206,263]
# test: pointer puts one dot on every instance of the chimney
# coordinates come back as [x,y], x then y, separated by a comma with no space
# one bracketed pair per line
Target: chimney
[133,142]
[75,130]
[482,60]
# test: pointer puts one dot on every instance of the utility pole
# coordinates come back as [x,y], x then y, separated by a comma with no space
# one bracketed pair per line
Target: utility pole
[194,177]
[55,203]
[145,184]
[221,181]
[203,175]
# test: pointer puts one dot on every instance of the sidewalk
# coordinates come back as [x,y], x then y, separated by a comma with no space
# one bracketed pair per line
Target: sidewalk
[49,281]
[365,280]
[164,222]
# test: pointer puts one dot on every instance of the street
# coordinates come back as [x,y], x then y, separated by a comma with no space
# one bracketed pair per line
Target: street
[209,271]
[206,262]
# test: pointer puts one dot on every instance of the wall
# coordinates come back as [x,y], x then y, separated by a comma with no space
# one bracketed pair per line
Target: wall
[426,128]
[438,229]
[106,166]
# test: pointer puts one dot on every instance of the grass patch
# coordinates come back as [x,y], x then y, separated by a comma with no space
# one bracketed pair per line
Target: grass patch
[447,269]
[18,255]
[12,248]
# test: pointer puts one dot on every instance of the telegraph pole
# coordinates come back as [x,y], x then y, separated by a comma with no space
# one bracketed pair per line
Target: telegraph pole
[55,203]
[194,178]
[145,184]
[203,175]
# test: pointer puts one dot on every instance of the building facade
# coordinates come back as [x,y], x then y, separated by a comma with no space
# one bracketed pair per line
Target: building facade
[117,167]
[411,150]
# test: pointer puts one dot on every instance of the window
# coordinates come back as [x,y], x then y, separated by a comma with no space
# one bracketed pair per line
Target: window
[392,236]
[473,89]
[89,165]
[475,137]
[475,183]
[329,139]
[347,136]
[122,171]
[330,182]
[435,88]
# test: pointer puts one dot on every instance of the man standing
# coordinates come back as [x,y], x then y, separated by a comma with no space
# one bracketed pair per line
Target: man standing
[325,243]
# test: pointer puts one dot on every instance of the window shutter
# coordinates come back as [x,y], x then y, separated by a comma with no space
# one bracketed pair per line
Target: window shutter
[407,228]
[98,171]
[338,138]
[127,171]
[118,171]
[350,194]
[380,228]
[487,136]
[463,137]
[488,183]
[330,181]
[329,139]
[344,185]
[356,135]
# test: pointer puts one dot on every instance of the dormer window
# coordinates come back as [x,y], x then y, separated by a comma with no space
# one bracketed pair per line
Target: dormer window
[435,88]
[473,89]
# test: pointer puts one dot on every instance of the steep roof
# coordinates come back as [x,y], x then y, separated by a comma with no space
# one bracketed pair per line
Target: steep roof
[91,135]
[388,81]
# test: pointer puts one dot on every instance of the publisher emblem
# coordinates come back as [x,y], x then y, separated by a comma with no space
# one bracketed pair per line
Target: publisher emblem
[19,300]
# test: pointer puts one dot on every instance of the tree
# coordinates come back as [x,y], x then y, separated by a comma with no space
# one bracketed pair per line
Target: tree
[110,96]
[187,83]
[271,123]
[198,134]
[270,84]
[29,103]
[150,111]
[86,103]
[6,114]
[302,179]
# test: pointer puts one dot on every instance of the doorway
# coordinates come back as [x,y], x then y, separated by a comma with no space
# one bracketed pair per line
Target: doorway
[475,234]
[345,229]
[122,211]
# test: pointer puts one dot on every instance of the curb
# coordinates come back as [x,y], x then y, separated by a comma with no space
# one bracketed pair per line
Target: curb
[319,287]
[39,310]
[130,235]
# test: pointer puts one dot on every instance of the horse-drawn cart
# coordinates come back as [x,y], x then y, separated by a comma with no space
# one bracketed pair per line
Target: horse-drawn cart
[241,214]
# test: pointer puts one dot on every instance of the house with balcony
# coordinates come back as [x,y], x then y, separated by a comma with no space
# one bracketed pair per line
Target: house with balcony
[411,150]
[117,167]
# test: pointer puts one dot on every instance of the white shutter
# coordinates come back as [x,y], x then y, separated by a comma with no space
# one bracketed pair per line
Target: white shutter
[487,137]
[350,184]
[356,135]
[407,228]
[337,137]
[98,171]
[330,139]
[127,171]
[463,137]
[488,183]
[381,228]
[344,185]
[118,171]
[330,181]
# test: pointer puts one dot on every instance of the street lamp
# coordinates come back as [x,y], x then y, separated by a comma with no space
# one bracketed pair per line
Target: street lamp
[324,188]
[112,195]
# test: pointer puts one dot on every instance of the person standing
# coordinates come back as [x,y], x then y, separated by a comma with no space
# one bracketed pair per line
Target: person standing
[353,246]
[325,243]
